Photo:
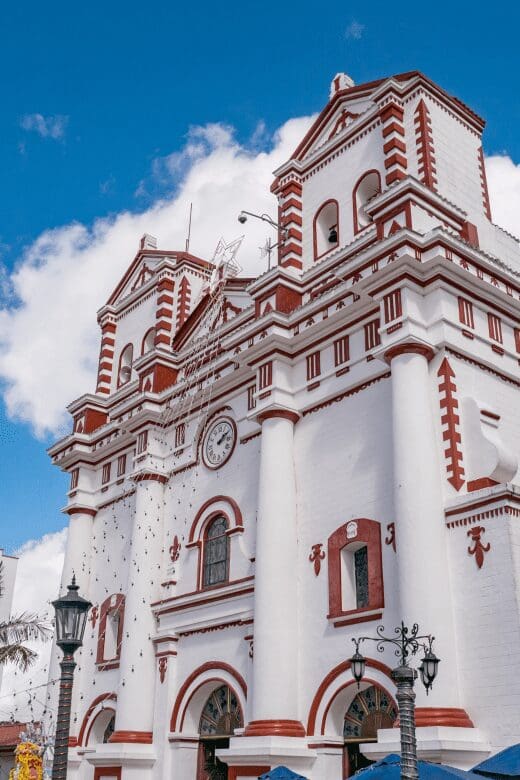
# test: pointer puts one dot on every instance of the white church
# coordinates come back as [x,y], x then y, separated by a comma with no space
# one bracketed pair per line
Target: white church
[271,466]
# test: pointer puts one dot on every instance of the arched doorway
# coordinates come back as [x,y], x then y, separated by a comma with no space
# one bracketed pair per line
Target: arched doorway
[370,710]
[221,715]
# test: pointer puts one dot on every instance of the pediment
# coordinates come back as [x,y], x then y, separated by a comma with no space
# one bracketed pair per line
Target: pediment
[138,274]
[335,120]
[212,313]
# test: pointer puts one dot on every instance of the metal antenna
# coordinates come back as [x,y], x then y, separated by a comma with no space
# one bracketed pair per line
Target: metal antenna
[189,230]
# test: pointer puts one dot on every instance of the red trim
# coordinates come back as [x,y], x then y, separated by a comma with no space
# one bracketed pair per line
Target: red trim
[135,737]
[237,514]
[357,229]
[441,716]
[450,421]
[425,148]
[409,349]
[80,510]
[369,533]
[111,771]
[144,476]
[246,771]
[336,224]
[106,609]
[207,599]
[327,682]
[479,484]
[92,707]
[347,685]
[119,383]
[285,414]
[210,666]
[275,728]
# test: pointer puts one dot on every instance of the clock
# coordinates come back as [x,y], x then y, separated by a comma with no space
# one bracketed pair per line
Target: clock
[219,442]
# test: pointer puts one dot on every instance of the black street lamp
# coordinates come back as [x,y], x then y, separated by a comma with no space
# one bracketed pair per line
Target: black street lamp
[282,231]
[71,617]
[407,644]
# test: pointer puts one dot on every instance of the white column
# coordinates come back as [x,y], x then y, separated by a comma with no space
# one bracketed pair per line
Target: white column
[274,708]
[424,585]
[78,550]
[137,672]
[78,562]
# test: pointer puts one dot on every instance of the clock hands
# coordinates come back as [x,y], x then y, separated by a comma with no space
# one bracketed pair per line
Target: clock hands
[222,439]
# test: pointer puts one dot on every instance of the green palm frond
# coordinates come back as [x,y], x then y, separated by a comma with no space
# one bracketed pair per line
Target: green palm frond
[23,628]
[17,654]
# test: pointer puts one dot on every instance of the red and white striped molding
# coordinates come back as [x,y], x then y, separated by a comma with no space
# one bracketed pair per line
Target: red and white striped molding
[106,357]
[394,145]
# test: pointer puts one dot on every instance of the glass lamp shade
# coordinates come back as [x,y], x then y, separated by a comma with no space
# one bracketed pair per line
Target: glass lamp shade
[358,666]
[428,669]
[71,617]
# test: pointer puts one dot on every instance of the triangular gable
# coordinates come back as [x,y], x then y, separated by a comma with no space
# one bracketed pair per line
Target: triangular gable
[212,312]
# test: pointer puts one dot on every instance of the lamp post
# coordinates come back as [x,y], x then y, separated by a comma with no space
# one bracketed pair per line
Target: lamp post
[71,617]
[407,643]
[242,218]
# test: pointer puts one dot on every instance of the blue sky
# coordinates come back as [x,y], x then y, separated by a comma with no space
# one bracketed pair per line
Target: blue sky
[93,94]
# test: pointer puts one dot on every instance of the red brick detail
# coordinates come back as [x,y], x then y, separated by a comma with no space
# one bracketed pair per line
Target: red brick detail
[285,414]
[396,159]
[236,515]
[394,144]
[134,737]
[425,148]
[183,302]
[395,176]
[92,420]
[450,421]
[393,306]
[483,184]
[275,728]
[393,127]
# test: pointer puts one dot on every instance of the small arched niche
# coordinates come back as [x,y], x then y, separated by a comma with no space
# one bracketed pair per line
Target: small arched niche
[326,228]
[367,186]
[221,715]
[102,728]
[125,365]
[148,341]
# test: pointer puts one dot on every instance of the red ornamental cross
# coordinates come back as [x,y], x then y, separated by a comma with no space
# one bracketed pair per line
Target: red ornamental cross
[478,550]
[175,549]
[316,557]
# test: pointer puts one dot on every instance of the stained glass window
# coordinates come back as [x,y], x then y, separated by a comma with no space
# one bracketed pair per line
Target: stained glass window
[371,709]
[221,714]
[216,553]
[361,573]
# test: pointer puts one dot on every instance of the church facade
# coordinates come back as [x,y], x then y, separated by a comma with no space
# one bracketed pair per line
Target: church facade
[272,466]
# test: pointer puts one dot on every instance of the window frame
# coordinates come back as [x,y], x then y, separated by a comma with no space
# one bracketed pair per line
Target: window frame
[329,247]
[204,537]
[466,316]
[108,608]
[367,533]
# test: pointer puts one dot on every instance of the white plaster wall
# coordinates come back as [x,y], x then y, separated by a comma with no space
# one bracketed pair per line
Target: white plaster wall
[486,604]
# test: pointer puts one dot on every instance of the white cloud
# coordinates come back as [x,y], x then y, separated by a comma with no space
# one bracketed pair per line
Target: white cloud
[49,340]
[37,584]
[354,30]
[503,178]
[46,126]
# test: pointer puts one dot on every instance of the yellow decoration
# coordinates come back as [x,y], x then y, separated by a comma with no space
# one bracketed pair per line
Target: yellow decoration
[29,763]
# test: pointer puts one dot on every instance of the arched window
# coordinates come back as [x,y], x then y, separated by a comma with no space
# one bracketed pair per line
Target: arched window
[355,572]
[125,365]
[220,717]
[148,341]
[215,567]
[110,634]
[326,228]
[367,186]
[370,710]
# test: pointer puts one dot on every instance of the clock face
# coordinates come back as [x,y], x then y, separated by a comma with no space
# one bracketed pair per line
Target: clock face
[219,442]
